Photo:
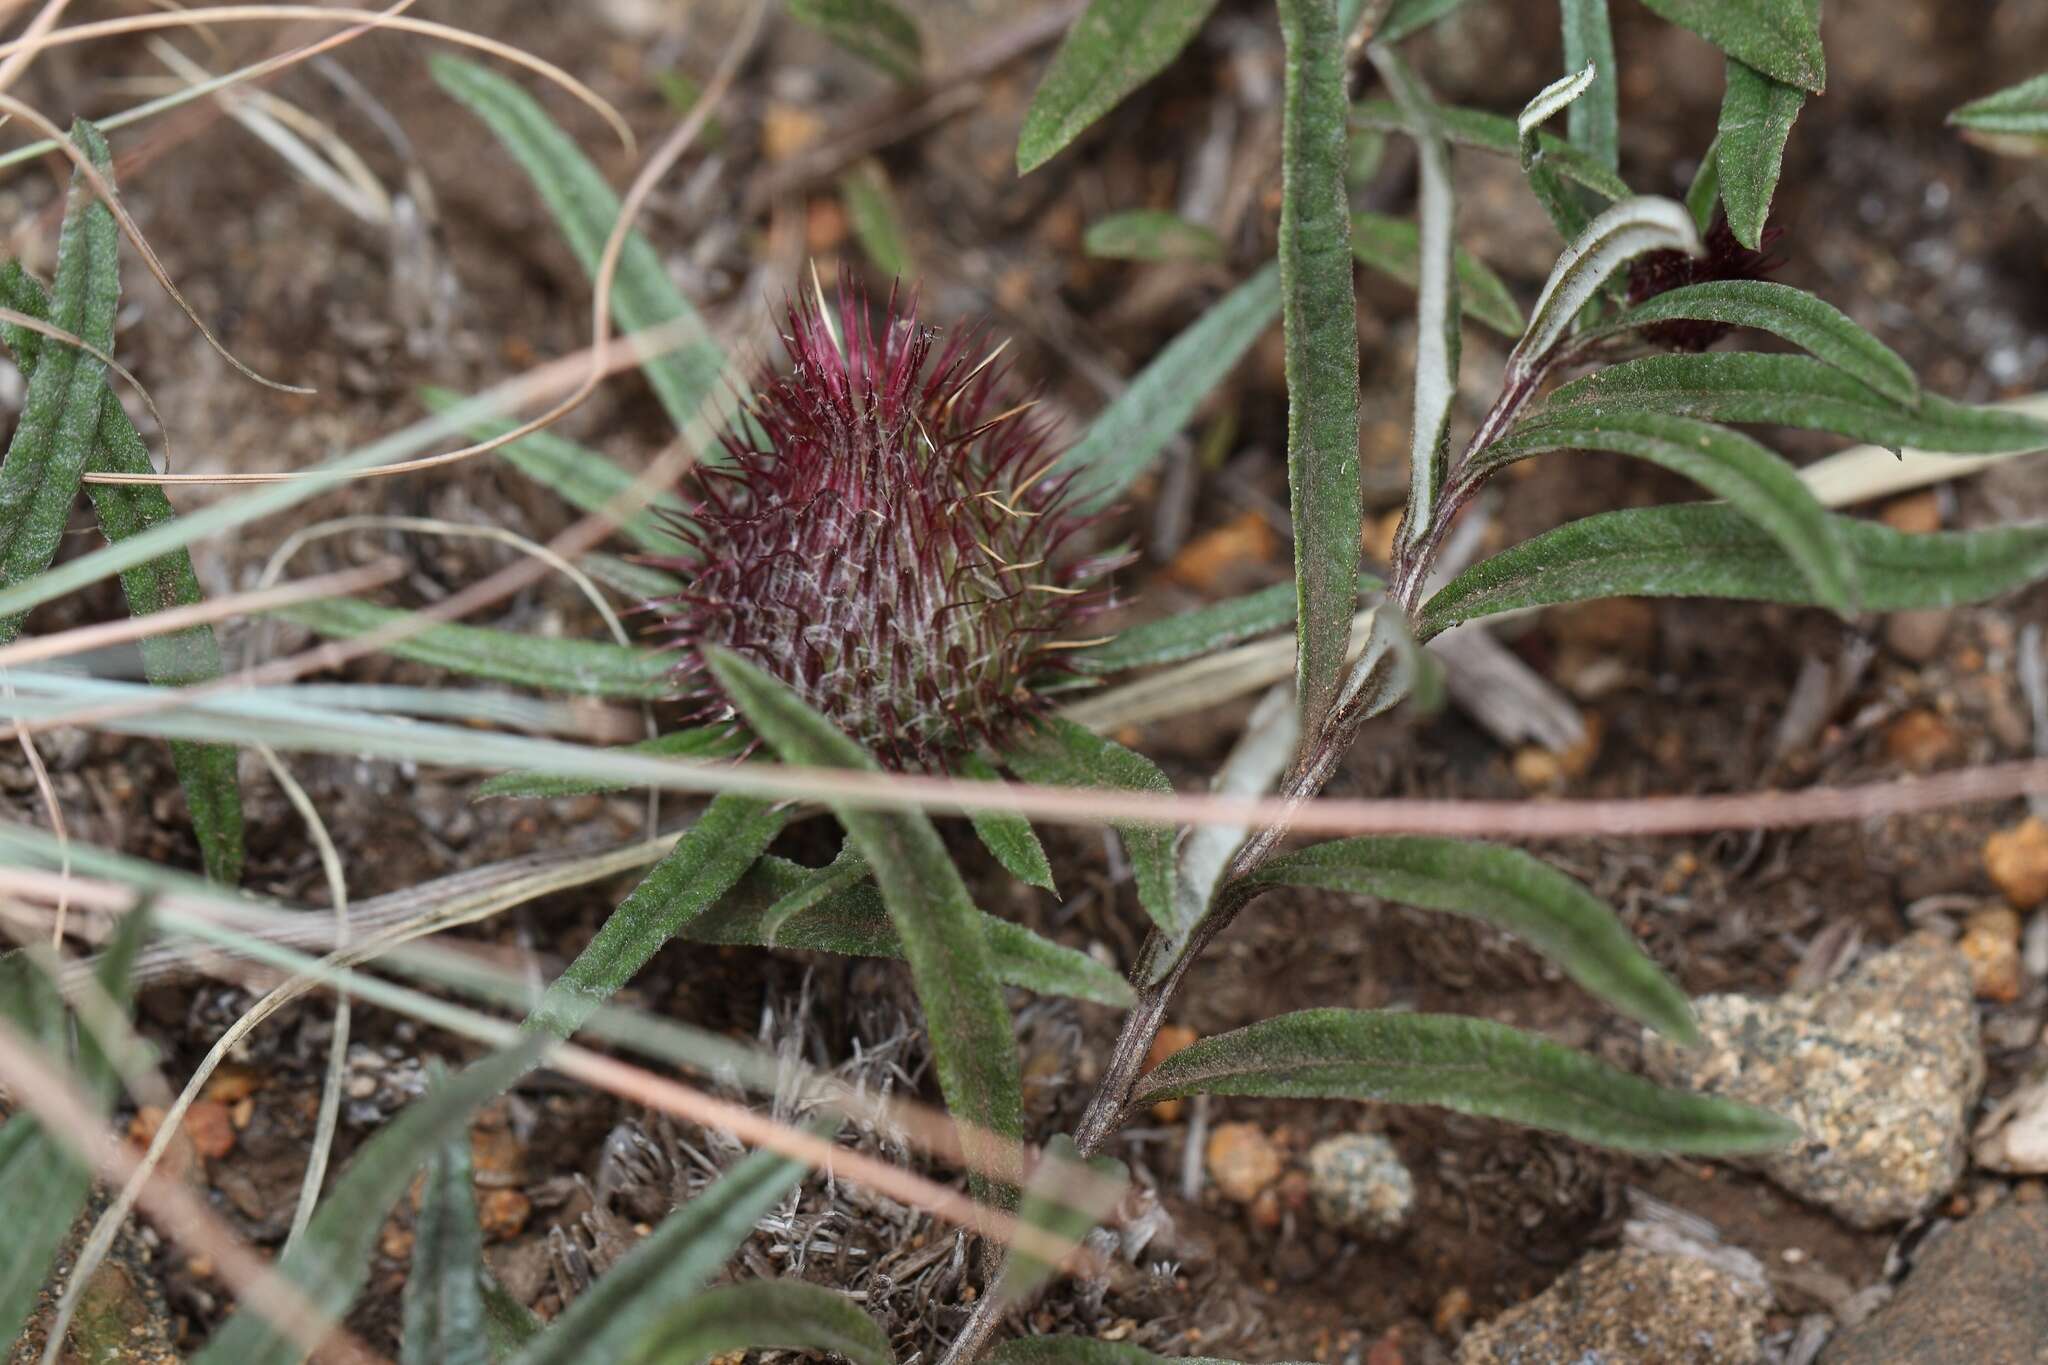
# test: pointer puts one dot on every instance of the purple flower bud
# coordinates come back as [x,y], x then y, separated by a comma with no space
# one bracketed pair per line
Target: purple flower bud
[1659,272]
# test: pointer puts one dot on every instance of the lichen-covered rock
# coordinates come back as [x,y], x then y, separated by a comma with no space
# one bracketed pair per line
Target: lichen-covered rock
[1629,1307]
[1359,1184]
[1974,1295]
[1878,1069]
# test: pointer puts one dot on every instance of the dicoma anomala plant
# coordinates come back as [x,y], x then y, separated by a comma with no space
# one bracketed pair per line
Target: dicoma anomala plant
[889,566]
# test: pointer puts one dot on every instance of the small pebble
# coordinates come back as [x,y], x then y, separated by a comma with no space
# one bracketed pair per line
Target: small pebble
[1165,1043]
[2017,861]
[503,1213]
[1358,1184]
[1920,740]
[1991,942]
[1916,636]
[1242,1161]
[1915,514]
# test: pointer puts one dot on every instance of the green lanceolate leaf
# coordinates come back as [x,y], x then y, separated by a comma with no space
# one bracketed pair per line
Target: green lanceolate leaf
[1066,1197]
[706,862]
[1151,235]
[588,668]
[2015,117]
[1794,391]
[1320,311]
[1810,323]
[1713,550]
[1129,434]
[1617,236]
[1473,1066]
[873,30]
[788,1314]
[444,1296]
[635,582]
[1112,49]
[1496,133]
[1392,246]
[673,1264]
[1756,481]
[1006,834]
[43,1187]
[1593,120]
[700,743]
[1780,38]
[509,1325]
[973,1043]
[584,478]
[1510,890]
[331,1263]
[877,222]
[780,904]
[1204,630]
[60,417]
[1756,121]
[1063,754]
[586,209]
[1411,16]
[180,658]
[1552,100]
[1704,193]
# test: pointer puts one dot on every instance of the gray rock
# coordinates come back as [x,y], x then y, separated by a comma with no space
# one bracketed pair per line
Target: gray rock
[1974,1296]
[1629,1307]
[1880,1070]
[1358,1184]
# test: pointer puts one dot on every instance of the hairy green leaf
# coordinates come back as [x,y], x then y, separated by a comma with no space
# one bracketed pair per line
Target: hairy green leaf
[586,209]
[444,1296]
[584,478]
[1794,391]
[1813,324]
[509,1325]
[1713,550]
[591,668]
[781,904]
[1320,311]
[1063,754]
[876,220]
[876,31]
[1756,481]
[1066,1197]
[1780,38]
[1151,235]
[1610,241]
[635,582]
[973,1044]
[706,863]
[1129,434]
[1552,100]
[1757,114]
[1412,16]
[1704,193]
[1202,631]
[1495,133]
[1593,119]
[1007,834]
[1393,247]
[1510,890]
[43,1188]
[673,1264]
[2015,117]
[788,1314]
[699,742]
[1111,50]
[331,1263]
[1473,1066]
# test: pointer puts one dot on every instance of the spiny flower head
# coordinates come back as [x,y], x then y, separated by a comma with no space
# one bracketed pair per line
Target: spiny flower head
[1659,272]
[888,538]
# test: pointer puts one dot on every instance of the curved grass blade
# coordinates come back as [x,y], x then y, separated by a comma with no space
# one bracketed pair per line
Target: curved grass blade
[1007,835]
[1810,323]
[1713,550]
[874,30]
[1510,890]
[780,904]
[788,1314]
[1112,49]
[1613,239]
[1780,38]
[675,1262]
[1757,114]
[1129,434]
[590,668]
[586,209]
[973,1043]
[706,862]
[1319,309]
[444,1294]
[701,743]
[1757,482]
[1063,754]
[1593,124]
[1794,391]
[1393,247]
[1204,630]
[1067,1197]
[1150,235]
[1472,1066]
[331,1263]
[1490,132]
[2013,118]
